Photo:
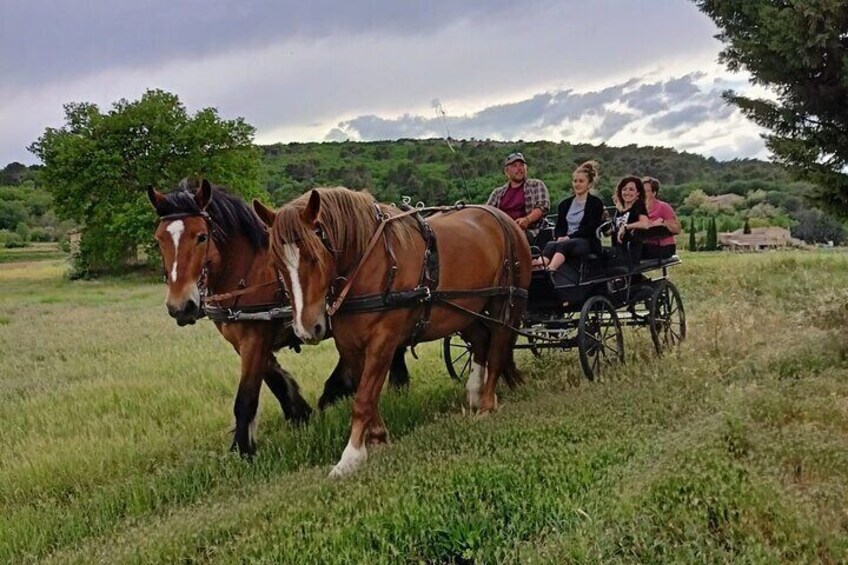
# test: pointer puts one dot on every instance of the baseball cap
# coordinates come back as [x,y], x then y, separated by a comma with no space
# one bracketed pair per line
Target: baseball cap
[513,157]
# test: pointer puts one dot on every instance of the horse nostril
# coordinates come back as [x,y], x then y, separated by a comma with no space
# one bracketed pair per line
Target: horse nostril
[190,307]
[319,330]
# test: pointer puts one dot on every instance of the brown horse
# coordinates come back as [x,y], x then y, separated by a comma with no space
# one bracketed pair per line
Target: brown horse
[211,243]
[332,237]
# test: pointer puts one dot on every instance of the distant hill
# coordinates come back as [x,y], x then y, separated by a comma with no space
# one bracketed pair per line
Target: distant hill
[434,172]
[431,171]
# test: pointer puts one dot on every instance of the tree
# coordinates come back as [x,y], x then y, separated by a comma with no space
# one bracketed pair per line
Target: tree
[746,229]
[799,51]
[98,166]
[711,242]
[814,226]
[693,242]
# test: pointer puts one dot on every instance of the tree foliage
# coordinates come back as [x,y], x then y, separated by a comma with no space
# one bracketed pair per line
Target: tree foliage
[98,166]
[799,51]
[693,242]
[813,226]
[711,241]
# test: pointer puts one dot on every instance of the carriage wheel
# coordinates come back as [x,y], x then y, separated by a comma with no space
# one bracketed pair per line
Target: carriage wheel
[599,337]
[666,317]
[457,353]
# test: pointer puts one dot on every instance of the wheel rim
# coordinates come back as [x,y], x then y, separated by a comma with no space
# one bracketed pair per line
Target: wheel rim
[458,357]
[600,339]
[668,318]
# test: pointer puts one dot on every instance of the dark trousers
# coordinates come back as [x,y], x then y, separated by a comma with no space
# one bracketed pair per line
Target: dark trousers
[658,251]
[577,247]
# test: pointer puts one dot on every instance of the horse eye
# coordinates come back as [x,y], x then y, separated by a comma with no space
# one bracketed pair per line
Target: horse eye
[202,238]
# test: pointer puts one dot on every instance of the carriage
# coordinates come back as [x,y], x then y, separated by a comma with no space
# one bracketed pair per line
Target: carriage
[585,305]
[217,263]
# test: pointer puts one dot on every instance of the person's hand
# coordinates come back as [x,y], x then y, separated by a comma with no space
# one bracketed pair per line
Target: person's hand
[562,238]
[523,222]
[621,232]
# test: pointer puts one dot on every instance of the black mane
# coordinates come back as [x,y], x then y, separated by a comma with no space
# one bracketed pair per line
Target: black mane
[229,214]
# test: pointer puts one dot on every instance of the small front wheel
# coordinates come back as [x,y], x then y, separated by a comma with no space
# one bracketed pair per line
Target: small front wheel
[600,340]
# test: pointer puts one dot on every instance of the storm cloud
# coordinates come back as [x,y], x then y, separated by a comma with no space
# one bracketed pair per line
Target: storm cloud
[660,112]
[334,69]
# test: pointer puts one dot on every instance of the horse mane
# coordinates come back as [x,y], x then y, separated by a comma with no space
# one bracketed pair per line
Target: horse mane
[229,214]
[348,219]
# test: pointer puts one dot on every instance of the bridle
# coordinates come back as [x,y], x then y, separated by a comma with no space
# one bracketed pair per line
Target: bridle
[203,278]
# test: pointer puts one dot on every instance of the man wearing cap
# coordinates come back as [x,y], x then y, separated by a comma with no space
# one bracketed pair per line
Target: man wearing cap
[524,200]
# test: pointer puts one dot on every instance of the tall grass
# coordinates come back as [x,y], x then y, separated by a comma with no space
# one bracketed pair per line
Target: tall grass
[116,424]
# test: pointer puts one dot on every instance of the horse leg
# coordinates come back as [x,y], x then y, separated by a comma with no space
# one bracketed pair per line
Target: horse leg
[478,336]
[398,373]
[500,360]
[340,384]
[365,410]
[287,391]
[255,357]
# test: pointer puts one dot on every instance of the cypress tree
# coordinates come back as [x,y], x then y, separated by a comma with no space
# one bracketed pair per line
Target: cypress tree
[746,229]
[693,244]
[712,236]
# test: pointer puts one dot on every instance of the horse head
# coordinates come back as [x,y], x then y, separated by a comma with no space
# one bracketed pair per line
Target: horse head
[188,250]
[301,252]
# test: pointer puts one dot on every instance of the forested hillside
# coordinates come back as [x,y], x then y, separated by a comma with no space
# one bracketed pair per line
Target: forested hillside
[436,173]
[433,172]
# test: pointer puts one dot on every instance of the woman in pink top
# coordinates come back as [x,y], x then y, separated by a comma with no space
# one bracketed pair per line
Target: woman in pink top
[658,241]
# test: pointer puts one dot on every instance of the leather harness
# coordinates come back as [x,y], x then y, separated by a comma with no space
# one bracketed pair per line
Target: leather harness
[426,293]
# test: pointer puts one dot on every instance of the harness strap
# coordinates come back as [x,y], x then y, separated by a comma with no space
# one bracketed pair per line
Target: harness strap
[337,303]
[241,292]
[380,302]
[258,312]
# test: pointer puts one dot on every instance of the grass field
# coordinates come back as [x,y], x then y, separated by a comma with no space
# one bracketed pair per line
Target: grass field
[116,425]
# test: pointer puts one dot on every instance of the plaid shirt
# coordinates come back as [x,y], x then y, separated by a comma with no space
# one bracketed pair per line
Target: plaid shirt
[535,196]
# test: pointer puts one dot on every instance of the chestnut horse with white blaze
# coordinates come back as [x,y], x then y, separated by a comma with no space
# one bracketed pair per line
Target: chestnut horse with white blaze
[334,236]
[212,242]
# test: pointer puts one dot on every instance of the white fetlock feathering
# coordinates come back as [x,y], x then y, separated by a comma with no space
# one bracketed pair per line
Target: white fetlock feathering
[352,459]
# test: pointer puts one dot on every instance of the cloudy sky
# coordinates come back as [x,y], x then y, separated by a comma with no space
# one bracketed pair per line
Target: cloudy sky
[614,71]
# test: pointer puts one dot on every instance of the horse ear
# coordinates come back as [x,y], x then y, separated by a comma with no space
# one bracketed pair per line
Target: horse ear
[265,214]
[203,196]
[310,213]
[154,196]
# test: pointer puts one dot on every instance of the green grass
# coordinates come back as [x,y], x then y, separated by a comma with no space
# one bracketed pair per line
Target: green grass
[733,449]
[32,252]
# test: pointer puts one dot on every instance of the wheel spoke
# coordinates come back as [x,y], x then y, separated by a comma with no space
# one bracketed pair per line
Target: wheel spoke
[460,356]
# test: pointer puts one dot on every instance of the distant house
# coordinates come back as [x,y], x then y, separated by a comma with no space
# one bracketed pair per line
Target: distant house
[760,239]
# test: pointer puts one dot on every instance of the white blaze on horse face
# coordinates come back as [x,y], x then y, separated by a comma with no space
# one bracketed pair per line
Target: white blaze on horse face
[291,257]
[475,385]
[352,459]
[176,229]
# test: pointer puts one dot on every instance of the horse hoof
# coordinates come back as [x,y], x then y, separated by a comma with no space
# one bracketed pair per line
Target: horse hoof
[300,416]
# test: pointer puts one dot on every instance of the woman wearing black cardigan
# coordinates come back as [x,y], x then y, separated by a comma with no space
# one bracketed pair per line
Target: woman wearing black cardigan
[578,219]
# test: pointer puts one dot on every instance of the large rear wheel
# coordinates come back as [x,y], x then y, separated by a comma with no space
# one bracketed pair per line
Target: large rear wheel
[599,337]
[666,317]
